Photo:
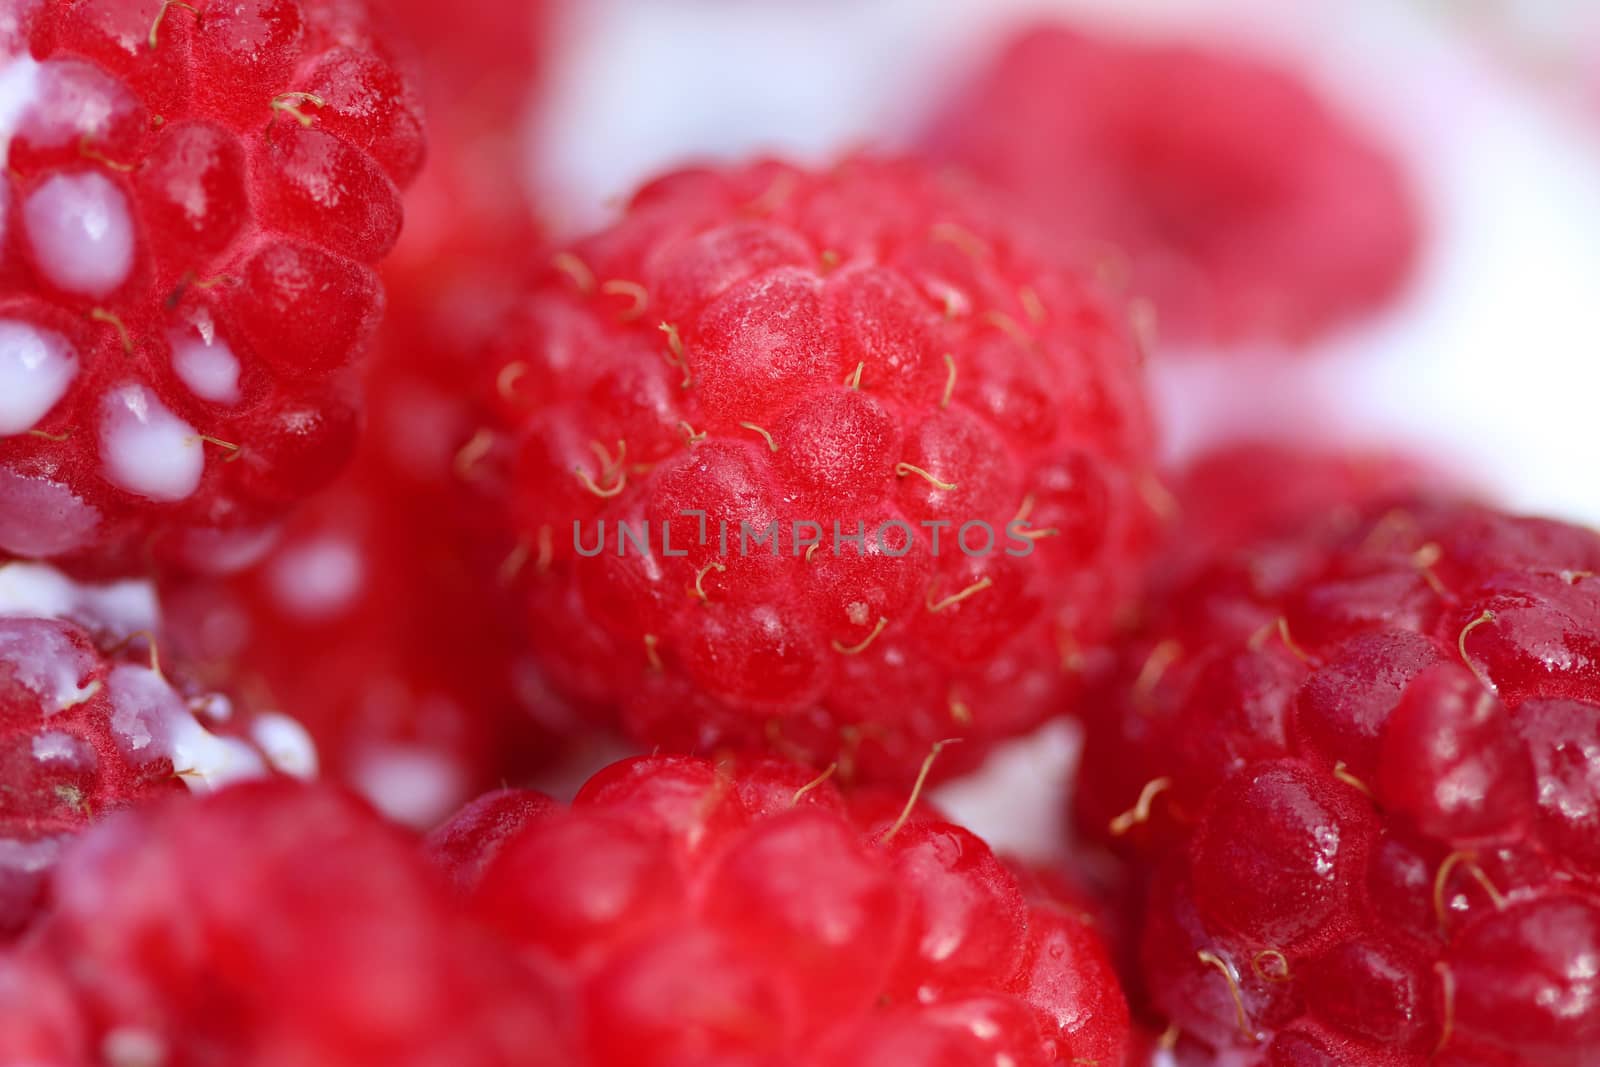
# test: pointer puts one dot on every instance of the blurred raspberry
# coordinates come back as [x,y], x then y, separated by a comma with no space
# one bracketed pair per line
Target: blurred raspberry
[379,615]
[271,924]
[1252,488]
[1245,208]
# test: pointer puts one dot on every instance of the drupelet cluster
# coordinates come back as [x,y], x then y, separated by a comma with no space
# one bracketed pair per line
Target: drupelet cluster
[825,463]
[1353,762]
[192,200]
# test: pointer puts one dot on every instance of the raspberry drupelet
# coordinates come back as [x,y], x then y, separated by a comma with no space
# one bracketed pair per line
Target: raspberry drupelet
[691,912]
[1354,763]
[192,198]
[273,923]
[1227,191]
[93,718]
[891,472]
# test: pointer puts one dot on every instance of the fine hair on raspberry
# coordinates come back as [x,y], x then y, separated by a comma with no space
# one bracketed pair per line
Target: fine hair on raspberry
[826,463]
[1351,762]
[192,201]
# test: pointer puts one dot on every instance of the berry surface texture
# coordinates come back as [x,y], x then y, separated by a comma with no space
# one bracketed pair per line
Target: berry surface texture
[1353,763]
[193,199]
[891,473]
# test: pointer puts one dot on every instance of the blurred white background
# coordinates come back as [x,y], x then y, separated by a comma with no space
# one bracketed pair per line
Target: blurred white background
[1491,363]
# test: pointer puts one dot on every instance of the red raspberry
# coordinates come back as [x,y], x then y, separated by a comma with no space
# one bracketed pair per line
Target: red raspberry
[870,348]
[1356,765]
[387,582]
[415,699]
[192,198]
[93,719]
[1248,209]
[274,923]
[701,913]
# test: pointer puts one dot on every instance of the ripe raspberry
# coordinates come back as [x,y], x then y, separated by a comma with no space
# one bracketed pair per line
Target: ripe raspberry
[387,579]
[871,349]
[699,913]
[387,582]
[93,719]
[273,923]
[1249,210]
[192,196]
[1356,765]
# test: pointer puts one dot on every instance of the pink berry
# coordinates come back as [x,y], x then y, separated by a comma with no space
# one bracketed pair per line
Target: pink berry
[41,1021]
[1351,757]
[194,196]
[702,913]
[870,348]
[1248,209]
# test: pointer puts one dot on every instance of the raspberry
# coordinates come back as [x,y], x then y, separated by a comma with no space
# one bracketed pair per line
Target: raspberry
[272,923]
[873,350]
[192,199]
[695,912]
[93,719]
[1355,765]
[415,699]
[1248,209]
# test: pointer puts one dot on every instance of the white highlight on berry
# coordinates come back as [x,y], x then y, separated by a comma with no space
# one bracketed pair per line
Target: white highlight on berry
[19,89]
[73,101]
[146,449]
[317,579]
[206,365]
[150,721]
[39,591]
[62,751]
[46,662]
[212,706]
[286,744]
[41,517]
[28,857]
[36,366]
[411,785]
[81,232]
[134,1047]
[217,552]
